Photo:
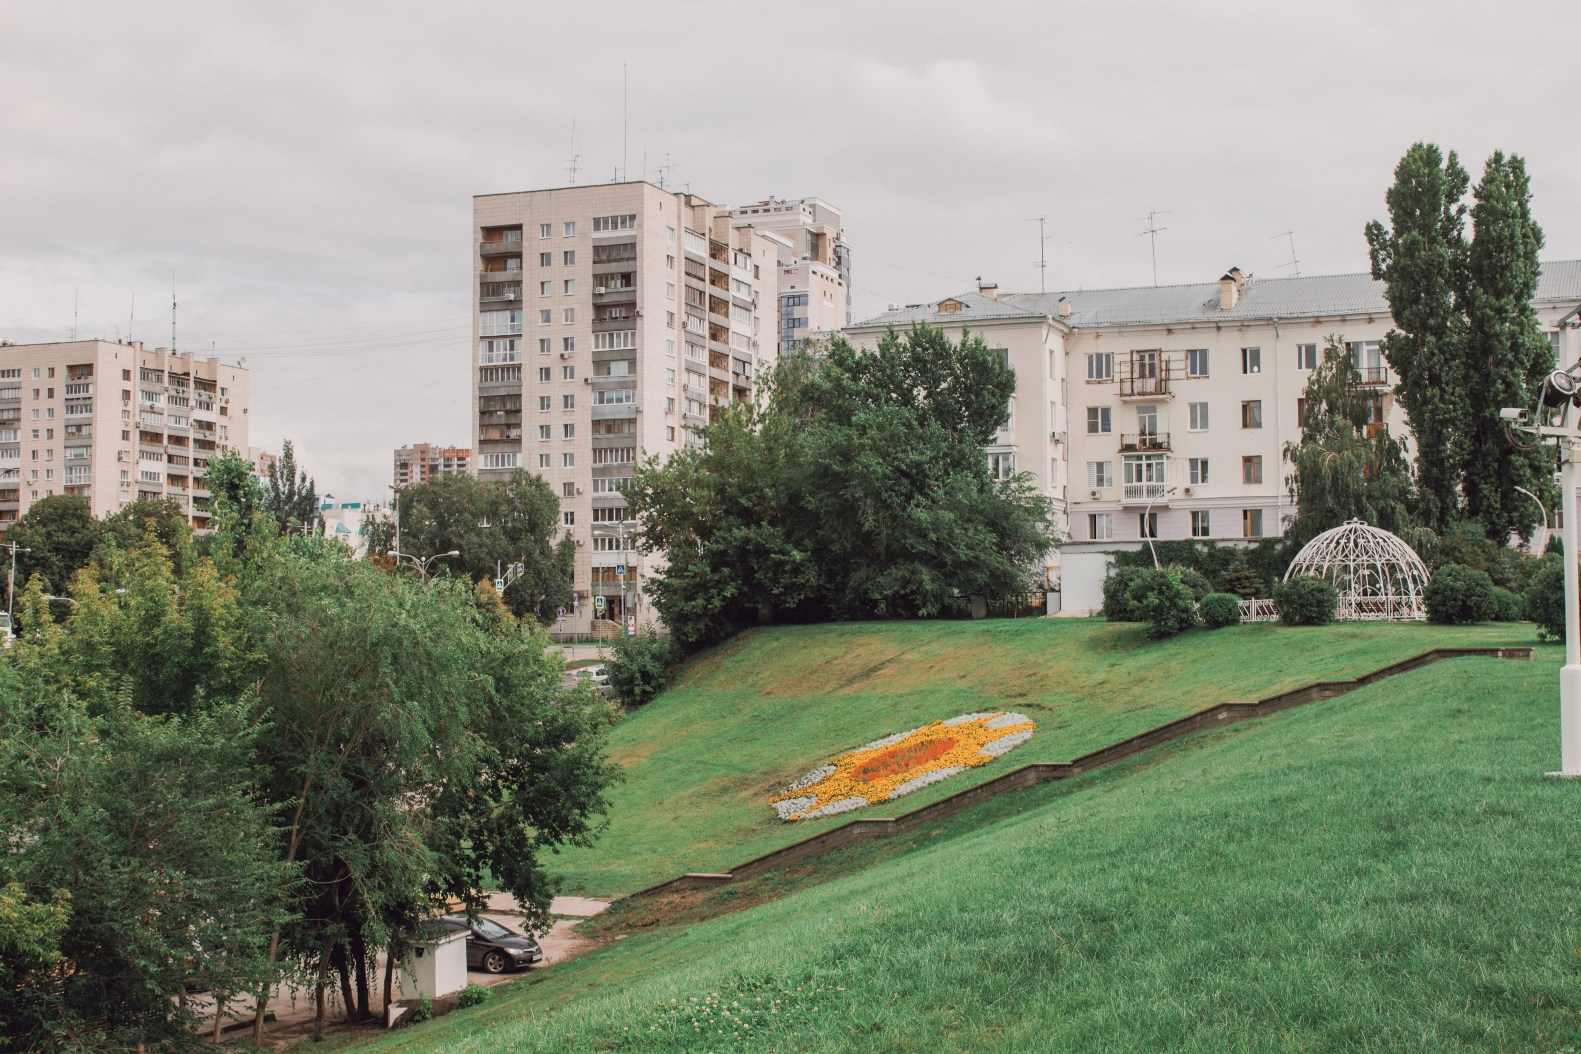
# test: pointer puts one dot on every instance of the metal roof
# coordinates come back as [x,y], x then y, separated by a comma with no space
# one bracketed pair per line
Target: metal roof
[1307,296]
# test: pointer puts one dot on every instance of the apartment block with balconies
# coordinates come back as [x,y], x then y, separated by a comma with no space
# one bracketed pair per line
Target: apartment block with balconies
[420,462]
[814,278]
[113,422]
[610,321]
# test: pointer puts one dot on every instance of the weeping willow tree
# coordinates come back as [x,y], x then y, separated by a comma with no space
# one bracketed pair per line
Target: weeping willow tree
[1347,465]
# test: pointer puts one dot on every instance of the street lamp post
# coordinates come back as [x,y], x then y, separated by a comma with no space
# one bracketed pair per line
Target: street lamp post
[395,499]
[422,562]
[1147,525]
[1542,509]
[10,592]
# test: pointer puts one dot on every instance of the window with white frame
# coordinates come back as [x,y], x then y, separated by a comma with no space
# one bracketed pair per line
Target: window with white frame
[501,460]
[1100,525]
[615,368]
[568,316]
[501,323]
[1100,366]
[545,317]
[568,460]
[1251,360]
[568,402]
[614,396]
[570,287]
[545,288]
[1197,469]
[1099,420]
[611,484]
[543,431]
[545,403]
[546,259]
[567,343]
[1198,414]
[1306,356]
[614,455]
[544,460]
[1100,474]
[624,222]
[1197,362]
[1001,466]
[1199,523]
[570,229]
[569,430]
[498,350]
[568,373]
[615,340]
[543,345]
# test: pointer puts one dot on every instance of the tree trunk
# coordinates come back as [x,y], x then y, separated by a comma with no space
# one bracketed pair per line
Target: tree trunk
[389,976]
[219,1008]
[318,987]
[359,955]
[342,967]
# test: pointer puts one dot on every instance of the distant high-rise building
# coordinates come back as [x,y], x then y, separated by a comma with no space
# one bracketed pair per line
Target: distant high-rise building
[814,282]
[114,422]
[610,319]
[416,463]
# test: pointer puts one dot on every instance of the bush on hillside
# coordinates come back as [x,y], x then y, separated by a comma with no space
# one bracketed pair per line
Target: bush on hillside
[1164,602]
[1197,582]
[640,667]
[1545,601]
[1506,605]
[1218,610]
[1116,589]
[472,995]
[1306,600]
[1244,584]
[1457,594]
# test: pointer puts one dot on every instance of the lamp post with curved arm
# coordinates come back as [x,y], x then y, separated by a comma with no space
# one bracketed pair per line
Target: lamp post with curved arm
[423,562]
[1147,525]
[1541,509]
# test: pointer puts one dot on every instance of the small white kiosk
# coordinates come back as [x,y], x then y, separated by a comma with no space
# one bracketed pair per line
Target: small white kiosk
[435,962]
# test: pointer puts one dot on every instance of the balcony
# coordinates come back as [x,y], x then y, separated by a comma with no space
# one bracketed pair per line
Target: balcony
[1371,375]
[500,248]
[1146,384]
[1145,441]
[1144,492]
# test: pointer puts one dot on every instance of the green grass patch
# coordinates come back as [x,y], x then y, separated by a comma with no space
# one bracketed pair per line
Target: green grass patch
[1388,870]
[703,760]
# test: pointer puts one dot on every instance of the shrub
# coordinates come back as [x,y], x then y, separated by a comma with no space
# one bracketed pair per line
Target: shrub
[1458,594]
[423,1011]
[1306,600]
[1220,609]
[1162,600]
[1545,601]
[640,667]
[1244,584]
[1197,582]
[1116,589]
[1506,605]
[472,995]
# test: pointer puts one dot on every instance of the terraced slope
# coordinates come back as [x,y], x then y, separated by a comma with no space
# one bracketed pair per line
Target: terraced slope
[1389,870]
[703,761]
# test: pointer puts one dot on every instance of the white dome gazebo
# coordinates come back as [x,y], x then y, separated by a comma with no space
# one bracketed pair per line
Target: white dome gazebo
[1378,576]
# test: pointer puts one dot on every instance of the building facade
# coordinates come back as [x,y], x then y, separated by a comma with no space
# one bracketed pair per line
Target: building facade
[814,281]
[417,463]
[114,422]
[1163,411]
[609,320]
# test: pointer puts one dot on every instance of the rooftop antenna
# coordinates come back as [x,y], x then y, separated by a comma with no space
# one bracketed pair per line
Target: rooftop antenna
[1043,263]
[666,170]
[624,159]
[130,319]
[1294,263]
[74,292]
[575,157]
[1152,232]
[172,312]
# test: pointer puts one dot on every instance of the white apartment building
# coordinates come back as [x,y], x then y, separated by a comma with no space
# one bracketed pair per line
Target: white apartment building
[609,320]
[814,265]
[113,422]
[1163,411]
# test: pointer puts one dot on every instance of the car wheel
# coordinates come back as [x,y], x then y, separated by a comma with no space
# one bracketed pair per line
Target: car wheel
[494,962]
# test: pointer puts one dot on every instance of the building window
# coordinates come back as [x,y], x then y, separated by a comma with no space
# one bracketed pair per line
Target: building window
[1199,416]
[543,373]
[545,288]
[1251,360]
[500,460]
[545,317]
[567,343]
[1252,469]
[568,489]
[669,290]
[569,430]
[1199,524]
[568,402]
[1198,470]
[1100,474]
[568,316]
[1100,366]
[671,430]
[1252,413]
[543,346]
[546,259]
[1001,466]
[669,319]
[1098,420]
[568,373]
[1100,525]
[1147,525]
[543,431]
[568,460]
[543,403]
[624,222]
[669,348]
[1306,356]
[543,460]
[570,287]
[569,257]
[1251,523]
[669,376]
[669,261]
[1197,362]
[615,340]
[570,229]
[545,230]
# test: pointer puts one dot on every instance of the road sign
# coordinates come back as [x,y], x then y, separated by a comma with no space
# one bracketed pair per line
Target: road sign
[620,570]
[499,585]
[598,603]
[559,613]
[562,622]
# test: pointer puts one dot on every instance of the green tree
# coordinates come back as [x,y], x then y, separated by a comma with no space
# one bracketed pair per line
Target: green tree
[126,527]
[289,496]
[494,524]
[59,534]
[1339,471]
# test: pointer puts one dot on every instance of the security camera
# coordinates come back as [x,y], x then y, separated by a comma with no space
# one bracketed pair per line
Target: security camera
[1514,413]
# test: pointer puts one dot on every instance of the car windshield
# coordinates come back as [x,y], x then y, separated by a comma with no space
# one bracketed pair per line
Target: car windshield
[492,929]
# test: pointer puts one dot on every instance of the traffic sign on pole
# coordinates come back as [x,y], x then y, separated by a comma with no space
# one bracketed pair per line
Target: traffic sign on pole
[631,625]
[499,586]
[620,570]
[559,613]
[598,604]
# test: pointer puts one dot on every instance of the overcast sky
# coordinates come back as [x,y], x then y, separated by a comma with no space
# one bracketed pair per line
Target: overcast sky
[305,170]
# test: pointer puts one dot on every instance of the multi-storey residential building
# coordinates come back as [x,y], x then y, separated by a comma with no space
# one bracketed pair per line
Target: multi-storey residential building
[416,463]
[114,422]
[609,320]
[814,282]
[1163,411]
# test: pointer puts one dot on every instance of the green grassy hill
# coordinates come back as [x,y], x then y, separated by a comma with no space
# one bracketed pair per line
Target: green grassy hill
[704,759]
[1389,870]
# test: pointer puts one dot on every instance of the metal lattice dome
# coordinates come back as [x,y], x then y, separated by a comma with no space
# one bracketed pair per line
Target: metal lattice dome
[1378,576]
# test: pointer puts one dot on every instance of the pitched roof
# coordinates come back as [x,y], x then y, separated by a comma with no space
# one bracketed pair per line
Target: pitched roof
[1307,296]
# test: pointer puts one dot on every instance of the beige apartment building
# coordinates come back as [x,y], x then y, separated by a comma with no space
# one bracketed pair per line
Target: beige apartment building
[1163,411]
[417,463]
[114,422]
[608,321]
[814,283]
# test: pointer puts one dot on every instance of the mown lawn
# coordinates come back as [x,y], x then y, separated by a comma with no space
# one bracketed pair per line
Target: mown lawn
[704,759]
[1389,870]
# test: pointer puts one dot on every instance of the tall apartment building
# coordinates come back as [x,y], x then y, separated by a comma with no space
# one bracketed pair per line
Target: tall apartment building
[416,463]
[114,422]
[610,319]
[814,283]
[1163,411]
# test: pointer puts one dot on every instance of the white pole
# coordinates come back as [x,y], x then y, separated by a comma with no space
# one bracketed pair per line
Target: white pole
[1570,676]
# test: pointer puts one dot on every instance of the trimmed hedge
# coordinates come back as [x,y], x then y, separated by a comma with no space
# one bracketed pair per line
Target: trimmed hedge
[1306,600]
[1218,610]
[1457,594]
[1545,601]
[1506,605]
[1162,600]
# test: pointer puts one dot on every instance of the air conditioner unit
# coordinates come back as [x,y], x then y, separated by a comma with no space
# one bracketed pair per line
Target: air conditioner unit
[639,409]
[1057,437]
[1095,493]
[579,490]
[565,354]
[1186,492]
[599,290]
